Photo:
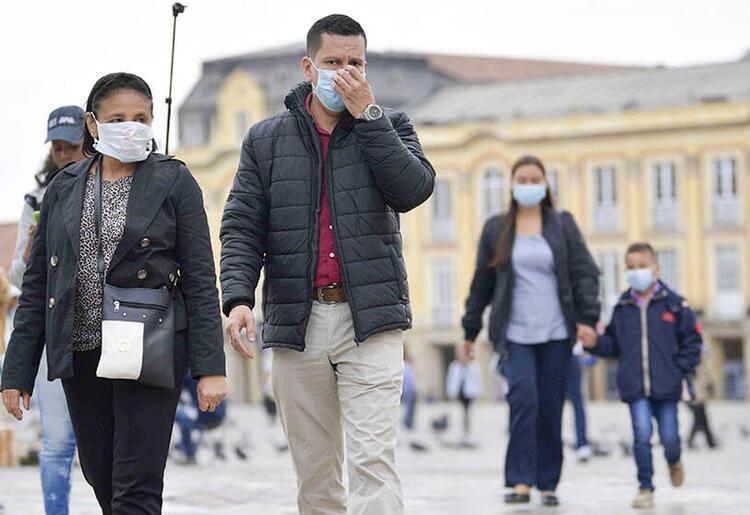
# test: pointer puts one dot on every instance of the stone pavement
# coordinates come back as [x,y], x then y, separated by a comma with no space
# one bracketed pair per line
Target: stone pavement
[445,480]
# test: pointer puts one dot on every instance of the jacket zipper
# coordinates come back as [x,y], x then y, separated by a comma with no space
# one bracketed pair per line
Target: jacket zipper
[332,209]
[645,350]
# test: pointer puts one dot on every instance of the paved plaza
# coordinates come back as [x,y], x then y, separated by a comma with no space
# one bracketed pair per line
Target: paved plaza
[446,479]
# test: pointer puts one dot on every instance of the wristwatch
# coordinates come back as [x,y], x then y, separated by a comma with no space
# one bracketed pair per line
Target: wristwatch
[372,112]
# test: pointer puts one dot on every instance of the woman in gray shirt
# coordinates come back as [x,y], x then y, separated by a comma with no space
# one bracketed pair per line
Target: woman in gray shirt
[535,271]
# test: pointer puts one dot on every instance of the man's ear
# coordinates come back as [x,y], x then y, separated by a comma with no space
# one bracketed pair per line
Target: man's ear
[307,68]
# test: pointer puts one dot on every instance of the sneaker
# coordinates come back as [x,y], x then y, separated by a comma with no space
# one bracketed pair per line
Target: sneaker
[676,474]
[584,453]
[643,500]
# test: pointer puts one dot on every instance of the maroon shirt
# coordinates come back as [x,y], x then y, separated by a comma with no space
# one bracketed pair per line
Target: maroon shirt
[328,271]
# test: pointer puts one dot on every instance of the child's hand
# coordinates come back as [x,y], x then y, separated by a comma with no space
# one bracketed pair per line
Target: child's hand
[587,336]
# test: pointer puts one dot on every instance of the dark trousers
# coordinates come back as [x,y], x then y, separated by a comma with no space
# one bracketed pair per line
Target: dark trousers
[642,413]
[576,399]
[700,425]
[537,376]
[123,429]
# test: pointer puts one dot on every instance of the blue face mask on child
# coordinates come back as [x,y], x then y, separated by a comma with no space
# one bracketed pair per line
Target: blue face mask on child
[640,279]
[529,195]
[325,92]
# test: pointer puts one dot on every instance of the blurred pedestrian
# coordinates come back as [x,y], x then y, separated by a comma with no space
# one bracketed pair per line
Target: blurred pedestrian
[85,245]
[65,134]
[535,271]
[315,203]
[657,339]
[464,384]
[575,396]
[704,387]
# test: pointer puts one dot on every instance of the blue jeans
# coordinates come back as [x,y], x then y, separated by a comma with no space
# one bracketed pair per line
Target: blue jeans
[665,413]
[536,380]
[58,443]
[187,425]
[575,396]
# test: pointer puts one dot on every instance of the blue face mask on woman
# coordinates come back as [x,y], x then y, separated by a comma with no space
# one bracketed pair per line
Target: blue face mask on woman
[640,279]
[529,195]
[325,92]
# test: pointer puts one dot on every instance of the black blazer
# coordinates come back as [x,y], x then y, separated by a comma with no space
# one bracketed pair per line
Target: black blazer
[576,271]
[166,236]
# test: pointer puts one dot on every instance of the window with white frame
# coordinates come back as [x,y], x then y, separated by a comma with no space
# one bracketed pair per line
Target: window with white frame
[665,211]
[443,293]
[609,265]
[668,265]
[193,130]
[606,210]
[241,124]
[553,179]
[727,268]
[726,208]
[492,192]
[442,217]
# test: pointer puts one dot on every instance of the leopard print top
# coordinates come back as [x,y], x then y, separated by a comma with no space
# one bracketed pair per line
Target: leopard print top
[87,317]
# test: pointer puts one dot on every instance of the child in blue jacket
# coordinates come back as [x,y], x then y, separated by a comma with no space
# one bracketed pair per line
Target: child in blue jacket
[658,341]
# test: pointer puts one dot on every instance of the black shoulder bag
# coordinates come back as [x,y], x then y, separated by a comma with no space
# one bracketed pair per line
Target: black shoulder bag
[137,324]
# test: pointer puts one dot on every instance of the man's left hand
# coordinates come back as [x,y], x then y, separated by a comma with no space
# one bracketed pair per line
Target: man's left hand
[354,90]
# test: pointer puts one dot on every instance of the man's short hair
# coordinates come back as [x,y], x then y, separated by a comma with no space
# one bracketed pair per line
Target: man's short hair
[338,24]
[642,248]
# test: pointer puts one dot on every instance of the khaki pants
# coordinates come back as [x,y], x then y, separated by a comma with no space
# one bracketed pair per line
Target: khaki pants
[334,381]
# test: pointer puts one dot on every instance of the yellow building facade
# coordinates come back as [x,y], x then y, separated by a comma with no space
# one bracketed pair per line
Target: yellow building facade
[674,175]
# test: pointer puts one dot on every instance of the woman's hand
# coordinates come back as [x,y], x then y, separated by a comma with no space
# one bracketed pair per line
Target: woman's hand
[27,250]
[467,352]
[211,391]
[11,401]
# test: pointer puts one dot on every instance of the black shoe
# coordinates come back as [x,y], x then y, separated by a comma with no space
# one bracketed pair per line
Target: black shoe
[514,498]
[550,500]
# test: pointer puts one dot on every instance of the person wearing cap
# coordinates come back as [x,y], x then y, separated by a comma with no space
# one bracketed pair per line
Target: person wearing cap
[65,132]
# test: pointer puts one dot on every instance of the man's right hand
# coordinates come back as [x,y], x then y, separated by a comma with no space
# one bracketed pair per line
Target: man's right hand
[11,401]
[241,317]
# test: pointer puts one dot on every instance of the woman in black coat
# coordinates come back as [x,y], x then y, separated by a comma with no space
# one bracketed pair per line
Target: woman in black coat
[535,271]
[154,235]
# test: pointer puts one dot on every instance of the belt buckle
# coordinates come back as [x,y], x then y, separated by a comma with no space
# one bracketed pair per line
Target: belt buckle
[322,289]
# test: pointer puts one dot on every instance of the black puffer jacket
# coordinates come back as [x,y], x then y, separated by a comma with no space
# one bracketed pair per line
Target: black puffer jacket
[576,271]
[374,170]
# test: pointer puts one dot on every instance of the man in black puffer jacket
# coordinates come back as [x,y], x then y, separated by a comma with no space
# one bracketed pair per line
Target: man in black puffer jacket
[316,201]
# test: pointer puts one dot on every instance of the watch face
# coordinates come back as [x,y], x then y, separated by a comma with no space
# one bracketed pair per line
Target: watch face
[374,112]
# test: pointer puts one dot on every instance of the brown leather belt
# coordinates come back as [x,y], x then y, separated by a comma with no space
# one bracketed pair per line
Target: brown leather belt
[331,294]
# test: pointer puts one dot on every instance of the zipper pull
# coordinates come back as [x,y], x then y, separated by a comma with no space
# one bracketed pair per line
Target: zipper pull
[117,305]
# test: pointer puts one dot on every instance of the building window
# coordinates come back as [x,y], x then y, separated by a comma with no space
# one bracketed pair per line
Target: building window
[194,132]
[727,269]
[442,219]
[725,192]
[553,179]
[667,259]
[606,210]
[609,292]
[241,124]
[492,192]
[665,196]
[443,293]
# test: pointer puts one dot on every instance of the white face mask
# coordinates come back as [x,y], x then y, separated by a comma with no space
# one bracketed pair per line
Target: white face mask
[128,142]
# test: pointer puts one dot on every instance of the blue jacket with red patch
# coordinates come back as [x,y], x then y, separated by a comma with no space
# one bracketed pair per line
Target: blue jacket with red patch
[658,345]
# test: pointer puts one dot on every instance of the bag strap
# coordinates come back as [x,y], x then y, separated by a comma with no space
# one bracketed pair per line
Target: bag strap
[100,266]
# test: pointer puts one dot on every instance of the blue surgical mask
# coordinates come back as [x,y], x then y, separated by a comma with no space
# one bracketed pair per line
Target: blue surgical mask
[325,92]
[529,195]
[640,279]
